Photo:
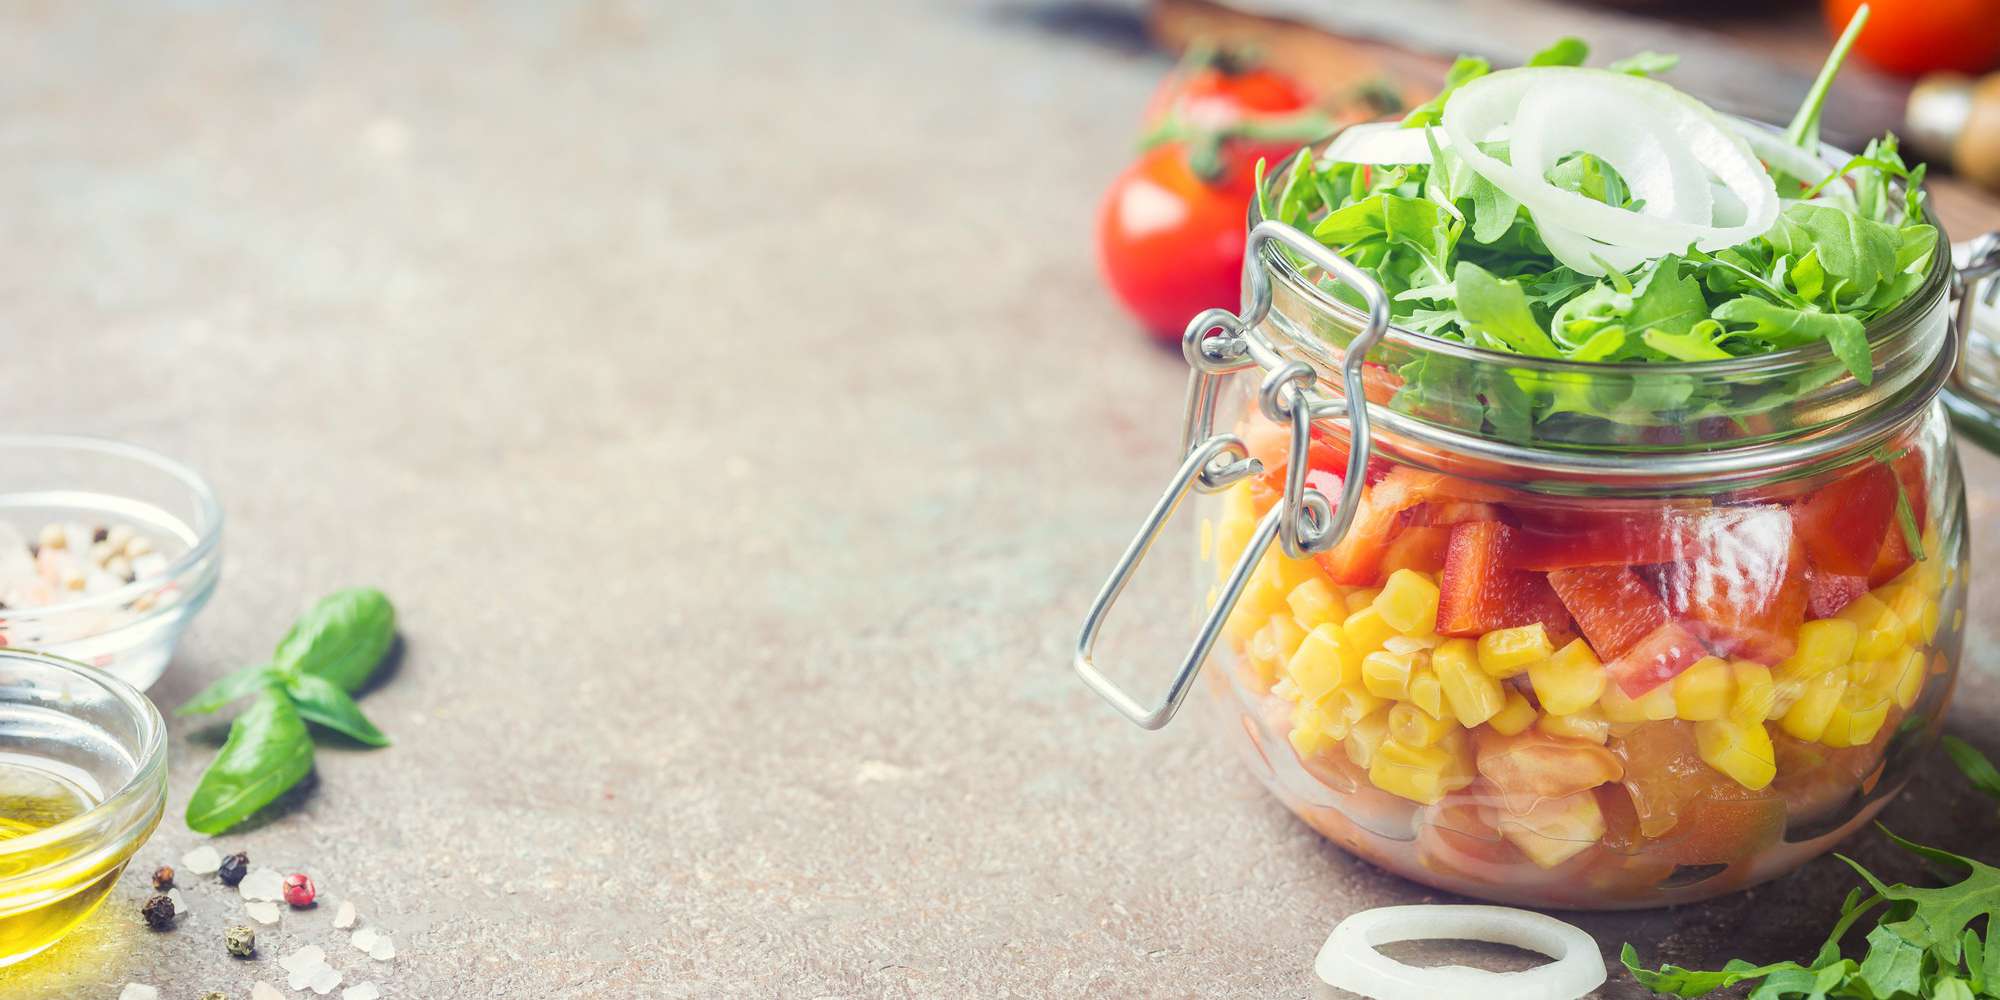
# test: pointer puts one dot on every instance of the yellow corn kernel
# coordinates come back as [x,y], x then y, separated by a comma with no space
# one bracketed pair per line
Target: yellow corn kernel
[1584,724]
[1272,646]
[1233,531]
[1515,716]
[1909,679]
[1408,602]
[1568,681]
[1473,694]
[1263,596]
[1505,652]
[1365,736]
[1351,705]
[1878,629]
[1415,773]
[1415,727]
[1823,645]
[1924,577]
[1312,730]
[1818,697]
[1362,597]
[1957,620]
[1741,750]
[1656,705]
[1387,675]
[1555,829]
[1856,719]
[1463,768]
[1315,603]
[1366,630]
[1321,663]
[1927,622]
[1426,692]
[1755,692]
[1702,691]
[1908,604]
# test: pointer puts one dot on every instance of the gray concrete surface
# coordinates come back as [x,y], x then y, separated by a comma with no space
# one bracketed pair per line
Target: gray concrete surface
[726,397]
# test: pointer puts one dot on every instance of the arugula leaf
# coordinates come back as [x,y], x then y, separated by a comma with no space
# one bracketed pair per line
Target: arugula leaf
[1974,764]
[322,702]
[268,751]
[1499,310]
[1463,69]
[1645,63]
[228,688]
[1789,327]
[1859,252]
[1804,130]
[1565,51]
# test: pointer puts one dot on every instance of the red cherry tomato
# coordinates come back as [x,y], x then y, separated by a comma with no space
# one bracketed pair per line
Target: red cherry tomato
[1170,243]
[1911,37]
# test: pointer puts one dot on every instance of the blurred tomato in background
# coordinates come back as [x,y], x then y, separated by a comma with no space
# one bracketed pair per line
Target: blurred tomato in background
[1912,37]
[1170,230]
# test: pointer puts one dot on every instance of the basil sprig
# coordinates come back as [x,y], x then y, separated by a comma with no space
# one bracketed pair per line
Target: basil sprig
[330,652]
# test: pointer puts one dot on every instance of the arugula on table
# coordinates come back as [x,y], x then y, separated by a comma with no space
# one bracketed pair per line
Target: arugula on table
[1924,945]
[329,653]
[1461,261]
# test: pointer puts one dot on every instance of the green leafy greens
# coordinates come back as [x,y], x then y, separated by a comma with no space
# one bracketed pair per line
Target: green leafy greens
[1461,261]
[329,653]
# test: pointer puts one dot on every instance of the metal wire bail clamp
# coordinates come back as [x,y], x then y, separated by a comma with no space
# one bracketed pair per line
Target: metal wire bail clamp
[1304,521]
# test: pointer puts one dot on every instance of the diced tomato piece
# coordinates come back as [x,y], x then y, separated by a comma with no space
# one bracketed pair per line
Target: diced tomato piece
[1827,593]
[1842,524]
[1894,558]
[1420,547]
[1531,766]
[1613,607]
[1655,659]
[1742,587]
[1552,538]
[1450,512]
[1357,560]
[1479,593]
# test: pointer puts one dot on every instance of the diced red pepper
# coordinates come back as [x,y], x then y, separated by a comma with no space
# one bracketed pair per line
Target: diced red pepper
[1419,546]
[1613,608]
[1655,659]
[1742,589]
[1357,560]
[1552,538]
[1450,512]
[1827,593]
[1894,558]
[1842,524]
[1479,593]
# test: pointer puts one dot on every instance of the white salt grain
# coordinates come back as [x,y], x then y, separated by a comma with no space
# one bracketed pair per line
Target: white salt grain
[365,938]
[383,949]
[138,991]
[263,912]
[366,990]
[180,903]
[302,975]
[261,990]
[343,917]
[307,957]
[263,884]
[324,979]
[203,860]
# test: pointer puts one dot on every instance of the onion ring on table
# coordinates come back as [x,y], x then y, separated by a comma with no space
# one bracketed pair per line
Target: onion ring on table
[1350,961]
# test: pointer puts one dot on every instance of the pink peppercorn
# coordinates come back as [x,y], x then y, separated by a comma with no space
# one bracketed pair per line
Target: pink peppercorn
[299,890]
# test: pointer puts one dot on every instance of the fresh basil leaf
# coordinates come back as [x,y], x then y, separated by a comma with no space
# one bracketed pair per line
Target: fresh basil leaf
[1499,310]
[342,638]
[1566,51]
[228,688]
[268,751]
[1645,63]
[320,701]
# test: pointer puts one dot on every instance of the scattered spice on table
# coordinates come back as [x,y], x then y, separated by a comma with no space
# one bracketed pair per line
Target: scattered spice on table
[233,868]
[163,877]
[299,890]
[159,913]
[241,941]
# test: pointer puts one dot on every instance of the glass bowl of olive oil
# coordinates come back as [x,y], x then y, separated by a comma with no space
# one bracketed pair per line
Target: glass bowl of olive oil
[83,780]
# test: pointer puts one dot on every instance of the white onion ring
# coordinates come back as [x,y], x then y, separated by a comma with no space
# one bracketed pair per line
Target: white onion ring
[1383,144]
[1350,961]
[1630,122]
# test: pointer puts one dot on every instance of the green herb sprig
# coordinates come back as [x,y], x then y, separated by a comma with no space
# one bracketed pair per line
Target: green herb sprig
[329,653]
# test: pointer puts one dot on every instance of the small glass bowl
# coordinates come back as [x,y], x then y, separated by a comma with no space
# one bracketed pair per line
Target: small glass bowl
[128,629]
[68,724]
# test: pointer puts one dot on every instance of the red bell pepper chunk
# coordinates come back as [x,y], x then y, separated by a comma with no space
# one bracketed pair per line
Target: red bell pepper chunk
[1478,592]
[1450,512]
[1894,558]
[1842,524]
[1612,606]
[1420,547]
[1552,538]
[1827,593]
[1742,589]
[1357,560]
[1655,659]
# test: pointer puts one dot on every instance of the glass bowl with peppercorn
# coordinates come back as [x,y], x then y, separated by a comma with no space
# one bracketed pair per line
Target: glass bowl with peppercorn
[107,550]
[83,782]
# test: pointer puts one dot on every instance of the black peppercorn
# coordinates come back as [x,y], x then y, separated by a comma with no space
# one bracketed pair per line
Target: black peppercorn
[234,867]
[100,533]
[163,878]
[241,941]
[215,995]
[159,913]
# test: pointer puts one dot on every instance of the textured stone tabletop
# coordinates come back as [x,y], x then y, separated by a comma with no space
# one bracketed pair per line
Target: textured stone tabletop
[728,401]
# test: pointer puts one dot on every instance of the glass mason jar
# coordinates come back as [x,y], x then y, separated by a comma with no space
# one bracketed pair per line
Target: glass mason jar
[1665,643]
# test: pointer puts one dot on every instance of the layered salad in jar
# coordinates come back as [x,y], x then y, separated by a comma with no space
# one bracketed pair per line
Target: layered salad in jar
[1600,695]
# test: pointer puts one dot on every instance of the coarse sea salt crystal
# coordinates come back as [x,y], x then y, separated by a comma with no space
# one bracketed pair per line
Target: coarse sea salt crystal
[383,949]
[366,990]
[138,991]
[261,990]
[324,979]
[203,860]
[365,938]
[180,903]
[262,911]
[306,957]
[263,884]
[343,916]
[302,975]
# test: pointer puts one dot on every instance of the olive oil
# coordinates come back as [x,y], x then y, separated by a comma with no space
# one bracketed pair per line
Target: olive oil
[46,886]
